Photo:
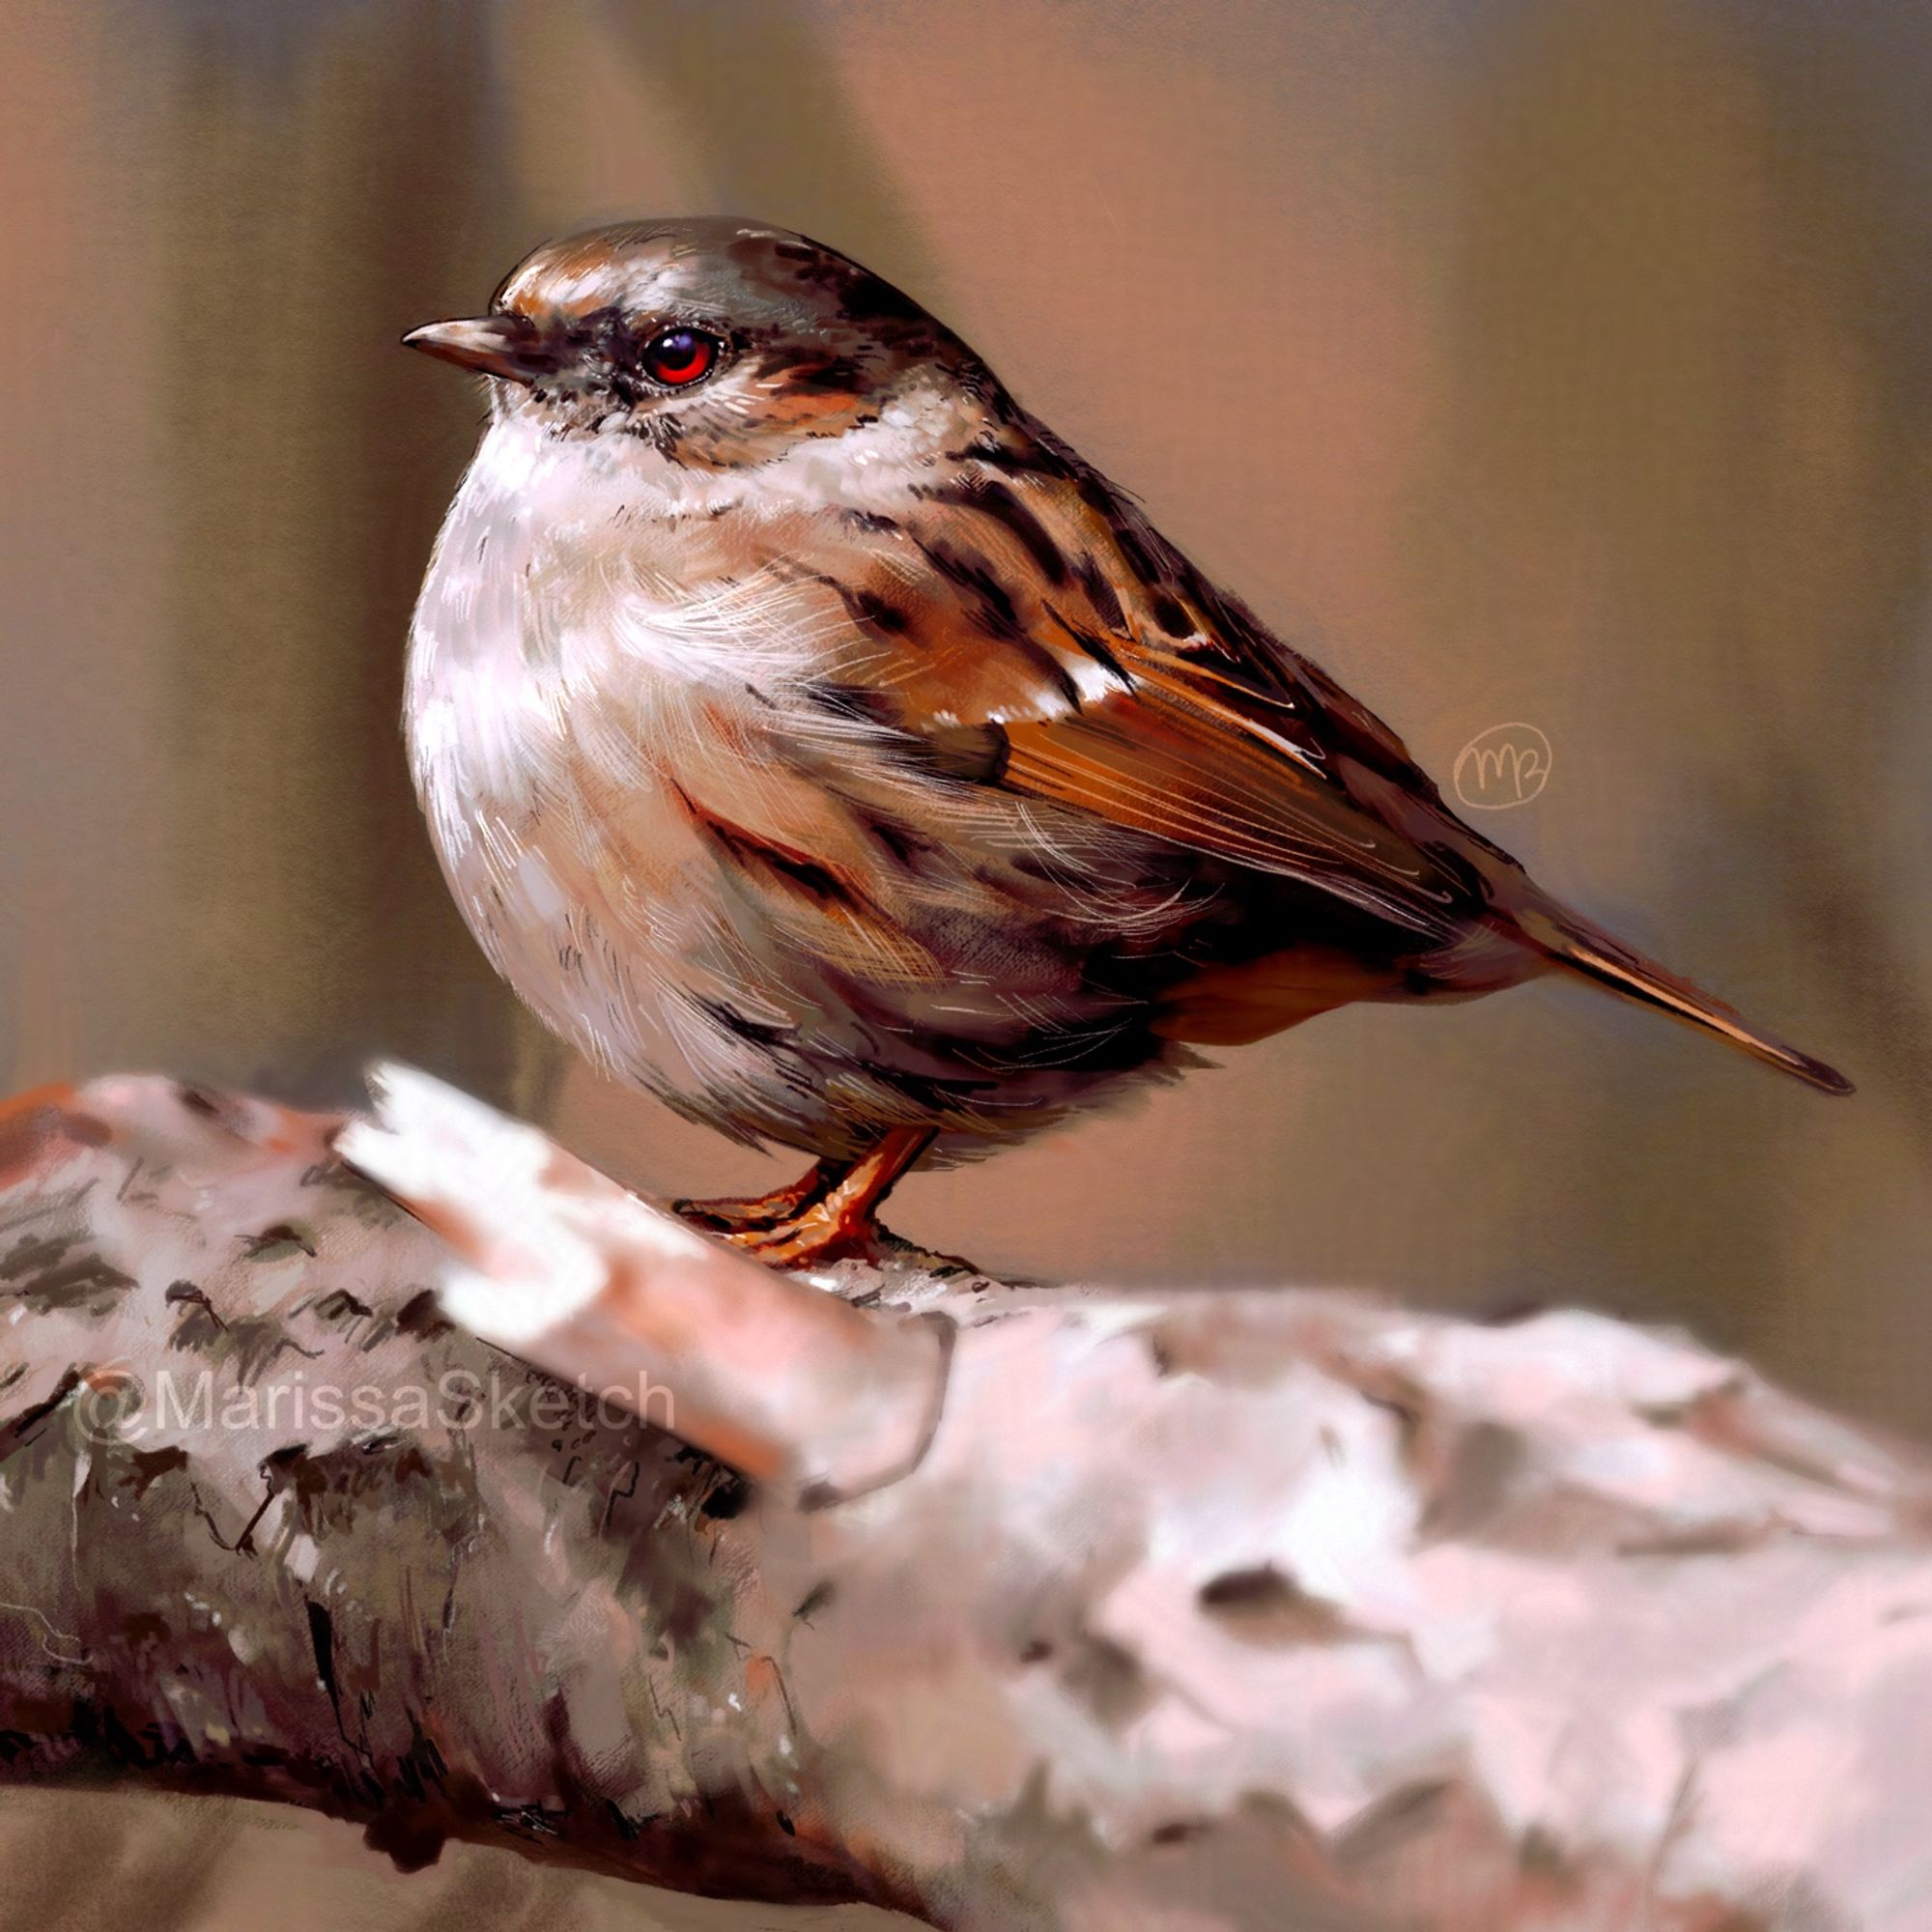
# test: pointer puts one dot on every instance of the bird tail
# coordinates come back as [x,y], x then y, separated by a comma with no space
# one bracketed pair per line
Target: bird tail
[1585,948]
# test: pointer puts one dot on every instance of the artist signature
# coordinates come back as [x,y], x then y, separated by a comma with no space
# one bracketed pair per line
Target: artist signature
[1505,766]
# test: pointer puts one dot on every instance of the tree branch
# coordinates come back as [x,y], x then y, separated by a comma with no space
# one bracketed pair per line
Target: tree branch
[1215,1610]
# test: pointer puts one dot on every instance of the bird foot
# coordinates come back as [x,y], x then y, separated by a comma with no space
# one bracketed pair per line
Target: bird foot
[735,1214]
[828,1215]
[824,1230]
[729,1216]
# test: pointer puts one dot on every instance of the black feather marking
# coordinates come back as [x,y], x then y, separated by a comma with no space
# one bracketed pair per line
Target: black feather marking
[998,616]
[1099,593]
[1171,614]
[817,374]
[996,499]
[1094,647]
[905,847]
[869,297]
[1014,459]
[873,524]
[1140,557]
[722,1014]
[760,858]
[816,881]
[871,610]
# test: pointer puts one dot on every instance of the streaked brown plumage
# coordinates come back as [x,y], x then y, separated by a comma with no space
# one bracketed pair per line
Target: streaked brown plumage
[813,738]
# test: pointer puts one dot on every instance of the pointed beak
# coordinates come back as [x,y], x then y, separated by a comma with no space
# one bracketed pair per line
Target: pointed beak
[497,344]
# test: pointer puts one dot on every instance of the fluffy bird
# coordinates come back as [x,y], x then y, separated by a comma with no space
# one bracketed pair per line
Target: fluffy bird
[812,737]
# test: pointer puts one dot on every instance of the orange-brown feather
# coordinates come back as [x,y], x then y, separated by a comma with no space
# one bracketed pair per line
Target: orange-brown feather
[1031,600]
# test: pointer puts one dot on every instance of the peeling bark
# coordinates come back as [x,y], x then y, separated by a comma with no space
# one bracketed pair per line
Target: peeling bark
[1205,1611]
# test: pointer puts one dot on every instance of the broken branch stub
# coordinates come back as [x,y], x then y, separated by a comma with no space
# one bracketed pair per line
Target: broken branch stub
[581,1279]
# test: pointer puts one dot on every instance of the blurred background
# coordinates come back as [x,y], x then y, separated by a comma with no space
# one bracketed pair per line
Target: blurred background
[1571,368]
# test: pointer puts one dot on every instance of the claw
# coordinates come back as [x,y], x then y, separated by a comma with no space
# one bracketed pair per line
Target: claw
[829,1215]
[823,1232]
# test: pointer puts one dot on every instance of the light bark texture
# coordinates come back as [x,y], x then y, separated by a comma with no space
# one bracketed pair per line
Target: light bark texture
[1199,1611]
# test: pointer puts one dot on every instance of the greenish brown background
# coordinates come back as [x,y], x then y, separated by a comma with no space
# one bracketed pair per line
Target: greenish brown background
[1566,361]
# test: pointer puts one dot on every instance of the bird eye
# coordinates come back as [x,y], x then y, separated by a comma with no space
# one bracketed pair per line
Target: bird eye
[678,357]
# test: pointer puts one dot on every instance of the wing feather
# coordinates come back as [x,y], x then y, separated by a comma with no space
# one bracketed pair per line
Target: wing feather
[1037,604]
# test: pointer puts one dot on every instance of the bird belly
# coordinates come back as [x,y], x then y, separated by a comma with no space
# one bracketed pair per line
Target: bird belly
[753,967]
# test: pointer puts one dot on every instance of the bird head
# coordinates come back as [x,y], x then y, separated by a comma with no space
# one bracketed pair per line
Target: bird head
[720,343]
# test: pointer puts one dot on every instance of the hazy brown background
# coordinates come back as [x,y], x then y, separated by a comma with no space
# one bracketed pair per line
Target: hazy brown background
[1557,360]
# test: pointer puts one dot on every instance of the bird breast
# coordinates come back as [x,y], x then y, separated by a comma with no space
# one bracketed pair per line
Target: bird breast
[705,879]
[565,674]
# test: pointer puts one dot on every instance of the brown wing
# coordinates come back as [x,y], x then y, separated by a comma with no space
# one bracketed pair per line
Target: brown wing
[1024,608]
[1029,625]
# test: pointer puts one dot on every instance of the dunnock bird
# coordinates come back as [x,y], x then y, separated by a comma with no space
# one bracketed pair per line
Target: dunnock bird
[813,738]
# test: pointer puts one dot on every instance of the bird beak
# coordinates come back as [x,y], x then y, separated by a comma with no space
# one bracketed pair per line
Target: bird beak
[497,344]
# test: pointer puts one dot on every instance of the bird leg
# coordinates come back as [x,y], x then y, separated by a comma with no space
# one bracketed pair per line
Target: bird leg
[835,1209]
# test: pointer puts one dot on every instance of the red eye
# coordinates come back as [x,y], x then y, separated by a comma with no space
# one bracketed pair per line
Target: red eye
[681,356]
